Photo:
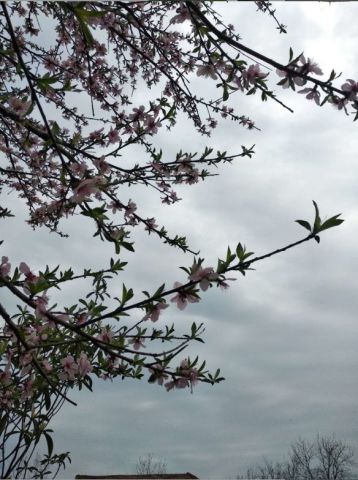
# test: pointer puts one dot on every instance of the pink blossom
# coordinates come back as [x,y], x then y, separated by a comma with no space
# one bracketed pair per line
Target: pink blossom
[152,125]
[101,49]
[88,187]
[118,233]
[222,282]
[312,94]
[250,76]
[47,366]
[173,196]
[25,358]
[70,368]
[161,168]
[189,372]
[309,66]
[79,168]
[105,335]
[130,208]
[5,267]
[157,371]
[204,276]
[154,312]
[193,177]
[113,136]
[6,398]
[351,88]
[150,225]
[185,166]
[138,114]
[41,304]
[27,390]
[18,106]
[5,377]
[82,318]
[114,205]
[247,122]
[283,73]
[339,103]
[102,165]
[300,81]
[170,385]
[84,365]
[137,343]
[182,298]
[180,382]
[25,361]
[206,71]
[30,277]
[31,336]
[183,14]
[96,135]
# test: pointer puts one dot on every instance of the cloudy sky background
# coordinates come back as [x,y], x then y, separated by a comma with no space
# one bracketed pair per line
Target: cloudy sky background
[286,335]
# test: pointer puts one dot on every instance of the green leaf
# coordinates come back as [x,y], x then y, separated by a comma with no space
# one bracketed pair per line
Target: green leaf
[39,286]
[331,222]
[126,294]
[82,16]
[291,54]
[317,220]
[241,252]
[55,129]
[229,256]
[49,442]
[5,212]
[127,246]
[304,224]
[159,291]
[91,14]
[97,213]
[44,82]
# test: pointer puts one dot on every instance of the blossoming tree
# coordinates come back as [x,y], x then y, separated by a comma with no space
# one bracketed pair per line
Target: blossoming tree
[66,117]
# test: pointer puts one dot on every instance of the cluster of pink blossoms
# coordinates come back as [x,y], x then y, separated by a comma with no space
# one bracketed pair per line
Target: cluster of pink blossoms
[182,298]
[351,89]
[188,378]
[250,76]
[204,276]
[20,107]
[31,278]
[88,187]
[154,311]
[307,66]
[73,369]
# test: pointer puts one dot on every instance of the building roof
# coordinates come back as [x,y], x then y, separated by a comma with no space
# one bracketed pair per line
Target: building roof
[164,476]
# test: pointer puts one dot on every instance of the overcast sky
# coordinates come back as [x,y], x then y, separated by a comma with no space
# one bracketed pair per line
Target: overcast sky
[285,336]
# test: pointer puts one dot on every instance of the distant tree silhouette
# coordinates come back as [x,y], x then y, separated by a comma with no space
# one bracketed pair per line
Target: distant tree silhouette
[324,458]
[149,465]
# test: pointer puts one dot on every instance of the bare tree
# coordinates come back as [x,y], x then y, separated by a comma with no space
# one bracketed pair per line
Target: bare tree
[336,459]
[303,456]
[266,470]
[324,458]
[149,465]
